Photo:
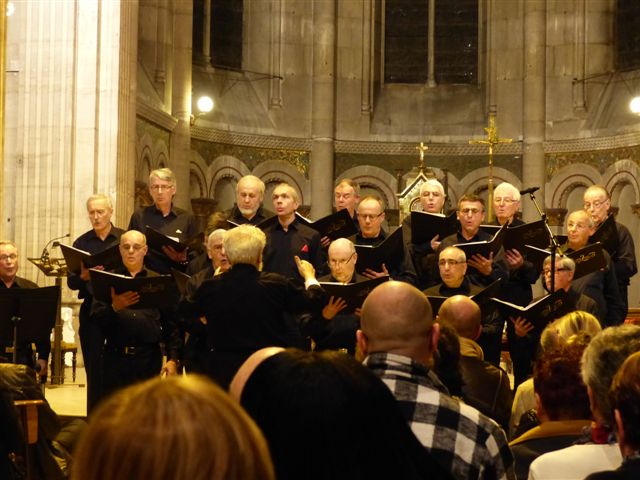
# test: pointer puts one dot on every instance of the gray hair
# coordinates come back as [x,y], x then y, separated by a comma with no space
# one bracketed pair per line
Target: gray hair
[462,257]
[164,174]
[8,242]
[252,179]
[590,221]
[565,262]
[507,188]
[100,197]
[432,182]
[244,244]
[602,358]
[215,235]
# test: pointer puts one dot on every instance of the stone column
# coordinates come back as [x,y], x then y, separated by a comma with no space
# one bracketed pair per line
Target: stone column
[206,33]
[323,101]
[126,160]
[181,100]
[3,69]
[533,162]
[431,45]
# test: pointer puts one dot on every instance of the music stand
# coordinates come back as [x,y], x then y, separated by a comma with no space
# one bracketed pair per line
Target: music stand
[56,268]
[27,315]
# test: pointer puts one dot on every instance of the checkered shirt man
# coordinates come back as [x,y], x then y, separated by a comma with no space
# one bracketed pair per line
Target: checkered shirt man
[463,440]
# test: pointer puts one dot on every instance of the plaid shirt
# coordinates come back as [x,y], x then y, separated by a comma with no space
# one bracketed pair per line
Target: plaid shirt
[463,440]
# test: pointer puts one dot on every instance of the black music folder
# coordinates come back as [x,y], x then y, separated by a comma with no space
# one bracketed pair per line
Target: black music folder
[539,312]
[607,235]
[337,225]
[156,240]
[352,293]
[390,252]
[109,258]
[35,307]
[155,291]
[482,298]
[483,247]
[515,238]
[425,226]
[588,259]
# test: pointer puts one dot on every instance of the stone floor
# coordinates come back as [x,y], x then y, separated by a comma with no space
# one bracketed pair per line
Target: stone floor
[70,398]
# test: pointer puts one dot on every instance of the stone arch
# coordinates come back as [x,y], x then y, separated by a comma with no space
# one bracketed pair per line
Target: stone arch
[619,175]
[478,180]
[224,167]
[277,171]
[144,158]
[568,179]
[197,176]
[160,154]
[377,178]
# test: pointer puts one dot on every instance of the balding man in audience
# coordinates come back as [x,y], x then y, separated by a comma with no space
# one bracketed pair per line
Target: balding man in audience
[399,337]
[598,450]
[484,386]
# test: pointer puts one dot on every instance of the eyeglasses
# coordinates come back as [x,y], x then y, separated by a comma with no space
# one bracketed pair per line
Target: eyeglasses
[160,188]
[449,261]
[596,204]
[334,262]
[472,211]
[559,269]
[136,247]
[370,218]
[11,256]
[506,201]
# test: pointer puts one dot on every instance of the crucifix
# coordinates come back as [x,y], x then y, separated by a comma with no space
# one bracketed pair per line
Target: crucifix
[422,148]
[491,140]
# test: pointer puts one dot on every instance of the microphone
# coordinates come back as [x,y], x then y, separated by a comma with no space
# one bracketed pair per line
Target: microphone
[44,256]
[529,190]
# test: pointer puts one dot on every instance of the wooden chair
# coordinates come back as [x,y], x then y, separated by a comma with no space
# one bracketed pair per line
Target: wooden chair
[67,347]
[28,412]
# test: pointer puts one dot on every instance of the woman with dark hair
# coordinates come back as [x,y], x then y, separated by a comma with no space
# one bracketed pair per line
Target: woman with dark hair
[562,406]
[326,416]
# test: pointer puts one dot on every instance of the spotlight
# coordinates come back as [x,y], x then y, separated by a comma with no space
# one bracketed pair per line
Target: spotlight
[205,104]
[634,105]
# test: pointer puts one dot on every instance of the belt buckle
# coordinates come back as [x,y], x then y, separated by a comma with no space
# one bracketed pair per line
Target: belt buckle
[129,350]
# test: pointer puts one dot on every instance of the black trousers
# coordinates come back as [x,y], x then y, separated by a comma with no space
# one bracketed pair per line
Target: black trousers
[121,369]
[91,342]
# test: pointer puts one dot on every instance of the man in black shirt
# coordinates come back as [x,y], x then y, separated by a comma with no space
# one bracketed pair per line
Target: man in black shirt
[167,219]
[9,263]
[102,236]
[248,207]
[370,217]
[346,197]
[132,348]
[288,237]
[245,308]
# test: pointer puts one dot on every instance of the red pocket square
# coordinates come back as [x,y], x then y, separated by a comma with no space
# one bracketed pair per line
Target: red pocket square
[305,248]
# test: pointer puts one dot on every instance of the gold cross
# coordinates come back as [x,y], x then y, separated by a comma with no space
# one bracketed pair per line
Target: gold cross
[422,148]
[491,140]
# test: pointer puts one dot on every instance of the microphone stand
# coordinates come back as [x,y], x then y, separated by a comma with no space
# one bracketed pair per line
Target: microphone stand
[554,243]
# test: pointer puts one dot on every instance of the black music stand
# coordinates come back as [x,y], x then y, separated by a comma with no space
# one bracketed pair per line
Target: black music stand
[27,315]
[56,268]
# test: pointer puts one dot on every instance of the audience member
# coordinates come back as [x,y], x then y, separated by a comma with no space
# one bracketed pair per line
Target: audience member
[399,337]
[446,363]
[181,428]
[574,327]
[326,416]
[600,361]
[624,396]
[484,386]
[562,407]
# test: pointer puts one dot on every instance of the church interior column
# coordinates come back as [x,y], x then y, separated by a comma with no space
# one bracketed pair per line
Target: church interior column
[533,163]
[181,100]
[323,107]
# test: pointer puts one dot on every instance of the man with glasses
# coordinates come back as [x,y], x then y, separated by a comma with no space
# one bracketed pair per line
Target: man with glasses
[101,236]
[167,219]
[481,271]
[335,330]
[600,285]
[9,264]
[522,274]
[432,198]
[452,264]
[370,217]
[133,335]
[598,203]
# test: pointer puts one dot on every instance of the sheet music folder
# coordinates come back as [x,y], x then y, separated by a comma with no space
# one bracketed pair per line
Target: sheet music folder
[390,252]
[109,258]
[155,291]
[353,294]
[37,309]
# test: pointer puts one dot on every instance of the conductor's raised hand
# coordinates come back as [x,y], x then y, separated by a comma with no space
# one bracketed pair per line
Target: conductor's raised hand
[305,269]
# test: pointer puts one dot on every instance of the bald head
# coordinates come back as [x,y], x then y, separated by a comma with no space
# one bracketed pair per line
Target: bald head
[396,318]
[247,368]
[463,314]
